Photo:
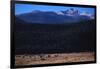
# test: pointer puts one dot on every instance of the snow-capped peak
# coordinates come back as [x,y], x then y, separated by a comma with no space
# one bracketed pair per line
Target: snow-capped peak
[71,12]
[59,13]
[87,14]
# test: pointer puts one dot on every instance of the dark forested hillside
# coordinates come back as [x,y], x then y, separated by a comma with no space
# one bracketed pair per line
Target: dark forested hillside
[33,38]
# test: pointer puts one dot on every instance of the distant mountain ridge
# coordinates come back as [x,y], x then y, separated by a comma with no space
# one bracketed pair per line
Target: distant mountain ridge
[51,17]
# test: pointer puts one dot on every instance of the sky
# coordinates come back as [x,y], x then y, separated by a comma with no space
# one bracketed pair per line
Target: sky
[25,8]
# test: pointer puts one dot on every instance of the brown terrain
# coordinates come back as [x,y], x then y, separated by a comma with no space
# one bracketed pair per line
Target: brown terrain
[35,59]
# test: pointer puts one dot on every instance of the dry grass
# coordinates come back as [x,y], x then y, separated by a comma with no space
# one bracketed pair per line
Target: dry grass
[53,58]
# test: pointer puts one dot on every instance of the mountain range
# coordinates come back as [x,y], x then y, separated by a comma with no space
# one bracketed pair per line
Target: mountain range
[51,17]
[46,32]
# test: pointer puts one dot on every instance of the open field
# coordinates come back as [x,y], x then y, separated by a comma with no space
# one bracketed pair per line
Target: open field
[32,59]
